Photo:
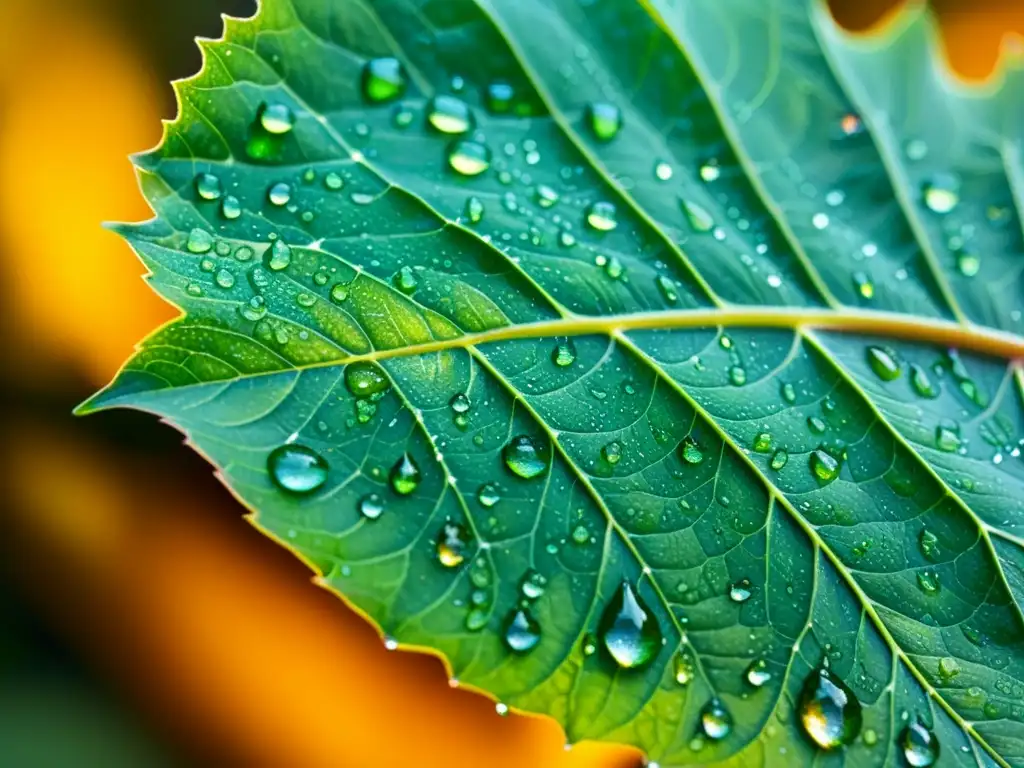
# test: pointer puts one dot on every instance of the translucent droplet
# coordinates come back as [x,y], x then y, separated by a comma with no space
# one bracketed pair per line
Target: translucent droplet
[601,216]
[277,119]
[525,458]
[668,289]
[564,353]
[280,256]
[297,469]
[763,442]
[488,495]
[820,221]
[581,534]
[339,293]
[589,644]
[884,363]
[604,120]
[224,278]
[779,459]
[737,375]
[683,668]
[371,507]
[333,181]
[922,382]
[758,673]
[829,712]
[613,268]
[499,97]
[469,158]
[405,280]
[928,581]
[522,632]
[208,186]
[942,193]
[474,210]
[384,79]
[663,171]
[851,124]
[405,475]
[612,452]
[452,545]
[824,465]
[280,194]
[699,218]
[863,284]
[816,424]
[788,392]
[715,720]
[230,208]
[545,196]
[364,379]
[690,452]
[710,170]
[947,438]
[968,264]
[449,115]
[477,619]
[948,668]
[920,746]
[532,585]
[628,629]
[741,591]
[199,241]
[460,403]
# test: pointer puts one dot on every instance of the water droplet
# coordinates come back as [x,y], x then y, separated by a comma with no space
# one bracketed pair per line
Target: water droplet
[364,379]
[546,196]
[710,170]
[601,216]
[737,375]
[628,630]
[371,507]
[564,353]
[922,382]
[683,668]
[280,194]
[824,465]
[532,585]
[851,124]
[715,720]
[942,193]
[928,581]
[452,545]
[863,284]
[612,453]
[968,264]
[663,171]
[199,241]
[604,120]
[947,438]
[488,495]
[384,79]
[208,186]
[690,452]
[224,278]
[405,475]
[758,673]
[405,280]
[741,591]
[763,442]
[788,392]
[522,632]
[339,293]
[449,115]
[779,459]
[477,619]
[524,458]
[333,181]
[474,210]
[668,289]
[230,208]
[884,363]
[919,744]
[700,219]
[460,403]
[581,534]
[829,712]
[469,158]
[277,119]
[280,256]
[499,97]
[297,469]
[916,149]
[948,668]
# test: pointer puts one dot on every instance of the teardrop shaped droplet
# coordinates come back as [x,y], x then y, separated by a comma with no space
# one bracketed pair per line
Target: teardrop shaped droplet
[405,475]
[280,256]
[488,495]
[604,120]
[922,382]
[690,451]
[884,363]
[824,465]
[277,119]
[700,219]
[564,353]
[919,744]
[224,278]
[522,632]
[371,506]
[208,186]
[405,280]
[715,720]
[829,712]
[525,458]
[448,114]
[474,210]
[297,469]
[453,544]
[469,158]
[758,673]
[384,79]
[741,591]
[628,630]
[365,379]
[602,216]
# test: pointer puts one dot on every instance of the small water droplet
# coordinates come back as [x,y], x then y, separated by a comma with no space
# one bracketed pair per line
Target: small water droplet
[788,392]
[474,210]
[865,287]
[690,451]
[824,465]
[371,507]
[224,278]
[601,216]
[449,115]
[758,673]
[488,495]
[365,379]
[532,585]
[277,119]
[715,720]
[199,241]
[405,280]
[737,375]
[628,630]
[384,79]
[280,194]
[612,452]
[581,534]
[339,293]
[208,186]
[333,181]
[928,581]
[545,196]
[297,469]
[741,591]
[522,632]
[829,712]
[683,668]
[453,544]
[499,97]
[884,362]
[668,289]
[564,353]
[280,256]
[779,459]
[230,208]
[663,171]
[589,644]
[469,158]
[919,744]
[948,668]
[942,193]
[699,218]
[604,120]
[405,475]
[762,442]
[968,264]
[922,382]
[525,458]
[710,170]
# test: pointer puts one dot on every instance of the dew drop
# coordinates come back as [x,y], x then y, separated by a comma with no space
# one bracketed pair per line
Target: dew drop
[564,353]
[663,171]
[741,591]
[968,264]
[280,256]
[372,506]
[690,452]
[452,545]
[922,382]
[297,469]
[469,158]
[488,495]
[788,392]
[948,668]
[683,668]
[601,216]
[208,186]
[447,114]
[779,459]
[830,714]
[339,293]
[499,97]
[522,632]
[715,720]
[532,585]
[710,170]
[280,194]
[762,442]
[928,582]
[524,458]
[545,196]
[224,278]
[758,673]
[628,630]
[474,210]
[365,379]
[884,363]
[405,280]
[920,746]
[699,218]
[612,452]
[604,120]
[333,181]
[947,438]
[384,79]
[581,534]
[865,287]
[405,475]
[589,644]
[199,241]
[824,465]
[668,289]
[737,375]
[230,208]
[277,119]
[942,193]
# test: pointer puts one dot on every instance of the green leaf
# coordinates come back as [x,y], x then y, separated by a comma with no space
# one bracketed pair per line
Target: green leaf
[644,360]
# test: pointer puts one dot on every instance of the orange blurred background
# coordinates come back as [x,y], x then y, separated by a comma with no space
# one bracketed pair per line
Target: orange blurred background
[142,621]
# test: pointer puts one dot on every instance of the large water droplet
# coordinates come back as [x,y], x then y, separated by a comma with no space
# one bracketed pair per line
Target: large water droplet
[601,216]
[405,475]
[280,256]
[919,744]
[564,353]
[452,545]
[469,158]
[829,712]
[525,458]
[522,632]
[741,591]
[715,720]
[277,119]
[280,194]
[384,79]
[208,186]
[884,363]
[199,241]
[628,629]
[824,465]
[604,120]
[405,280]
[365,379]
[449,115]
[297,469]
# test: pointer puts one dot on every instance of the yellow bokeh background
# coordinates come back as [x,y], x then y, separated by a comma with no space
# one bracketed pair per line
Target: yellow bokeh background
[133,555]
